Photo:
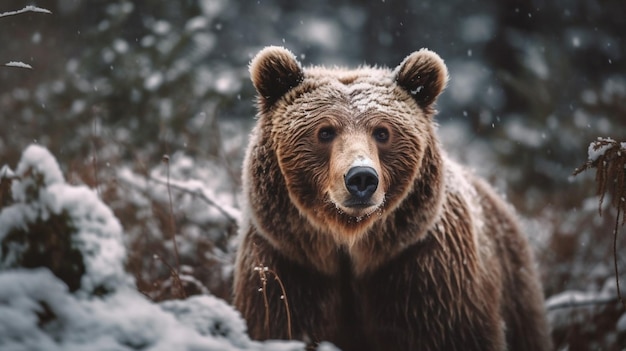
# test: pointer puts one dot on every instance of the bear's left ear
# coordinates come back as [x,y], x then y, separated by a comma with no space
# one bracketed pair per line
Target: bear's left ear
[274,71]
[424,75]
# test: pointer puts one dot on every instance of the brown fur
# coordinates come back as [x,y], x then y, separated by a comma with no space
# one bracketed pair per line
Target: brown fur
[435,262]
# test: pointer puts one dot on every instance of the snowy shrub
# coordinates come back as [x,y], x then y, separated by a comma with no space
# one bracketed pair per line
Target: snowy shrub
[209,316]
[38,313]
[202,214]
[62,227]
[60,248]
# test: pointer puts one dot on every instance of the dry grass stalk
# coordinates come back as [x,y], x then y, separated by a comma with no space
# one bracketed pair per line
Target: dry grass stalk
[608,157]
[263,272]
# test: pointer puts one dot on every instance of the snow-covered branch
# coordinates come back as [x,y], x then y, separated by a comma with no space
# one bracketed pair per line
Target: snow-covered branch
[18,65]
[573,299]
[194,189]
[29,8]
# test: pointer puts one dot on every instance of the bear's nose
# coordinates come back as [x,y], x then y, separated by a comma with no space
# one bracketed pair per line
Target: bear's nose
[361,182]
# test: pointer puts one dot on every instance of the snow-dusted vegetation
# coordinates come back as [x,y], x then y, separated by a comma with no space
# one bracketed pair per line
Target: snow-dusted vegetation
[127,241]
[63,286]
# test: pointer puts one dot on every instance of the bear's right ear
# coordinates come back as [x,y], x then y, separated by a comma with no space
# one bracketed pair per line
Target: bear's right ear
[274,71]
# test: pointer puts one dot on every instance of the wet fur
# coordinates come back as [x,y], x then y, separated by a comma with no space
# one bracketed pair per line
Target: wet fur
[440,265]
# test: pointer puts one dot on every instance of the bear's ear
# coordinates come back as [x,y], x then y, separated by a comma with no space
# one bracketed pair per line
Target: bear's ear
[424,75]
[274,71]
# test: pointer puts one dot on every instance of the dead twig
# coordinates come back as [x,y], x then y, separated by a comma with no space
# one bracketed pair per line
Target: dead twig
[166,160]
[263,272]
[608,157]
[201,195]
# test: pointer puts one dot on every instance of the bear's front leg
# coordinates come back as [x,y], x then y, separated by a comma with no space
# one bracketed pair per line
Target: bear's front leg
[423,300]
[282,299]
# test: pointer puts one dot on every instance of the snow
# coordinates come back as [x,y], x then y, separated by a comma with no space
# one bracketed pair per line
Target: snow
[120,46]
[161,27]
[40,312]
[29,8]
[594,151]
[575,298]
[562,313]
[99,234]
[227,83]
[40,194]
[153,82]
[6,172]
[36,160]
[18,65]
[196,24]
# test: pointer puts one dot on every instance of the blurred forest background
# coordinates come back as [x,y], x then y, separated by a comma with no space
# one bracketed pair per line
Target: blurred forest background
[116,85]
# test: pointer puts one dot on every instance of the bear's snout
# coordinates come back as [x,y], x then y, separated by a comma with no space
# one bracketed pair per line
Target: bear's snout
[361,182]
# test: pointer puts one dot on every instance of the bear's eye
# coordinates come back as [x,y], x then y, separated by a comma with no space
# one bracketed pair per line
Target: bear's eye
[381,135]
[326,134]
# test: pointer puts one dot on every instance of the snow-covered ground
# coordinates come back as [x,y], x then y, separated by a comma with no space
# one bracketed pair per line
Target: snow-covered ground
[63,284]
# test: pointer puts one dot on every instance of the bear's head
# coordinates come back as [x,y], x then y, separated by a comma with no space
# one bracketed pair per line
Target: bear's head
[350,145]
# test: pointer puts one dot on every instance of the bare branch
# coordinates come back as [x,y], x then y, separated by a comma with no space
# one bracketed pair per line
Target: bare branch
[201,195]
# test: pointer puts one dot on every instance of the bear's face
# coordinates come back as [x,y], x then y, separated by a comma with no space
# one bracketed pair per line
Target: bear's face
[349,143]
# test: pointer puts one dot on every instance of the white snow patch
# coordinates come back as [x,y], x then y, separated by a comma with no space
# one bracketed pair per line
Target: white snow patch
[585,302]
[362,162]
[98,236]
[6,172]
[120,46]
[161,27]
[227,83]
[594,153]
[199,189]
[153,82]
[38,313]
[41,192]
[18,64]
[196,23]
[39,160]
[29,8]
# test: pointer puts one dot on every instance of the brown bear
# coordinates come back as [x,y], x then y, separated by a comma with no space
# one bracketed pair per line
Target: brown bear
[359,230]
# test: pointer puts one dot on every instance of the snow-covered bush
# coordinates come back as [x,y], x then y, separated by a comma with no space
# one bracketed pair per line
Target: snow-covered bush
[38,313]
[64,228]
[63,285]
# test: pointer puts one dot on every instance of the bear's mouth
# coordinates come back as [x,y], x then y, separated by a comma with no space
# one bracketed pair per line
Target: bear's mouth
[358,204]
[358,208]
